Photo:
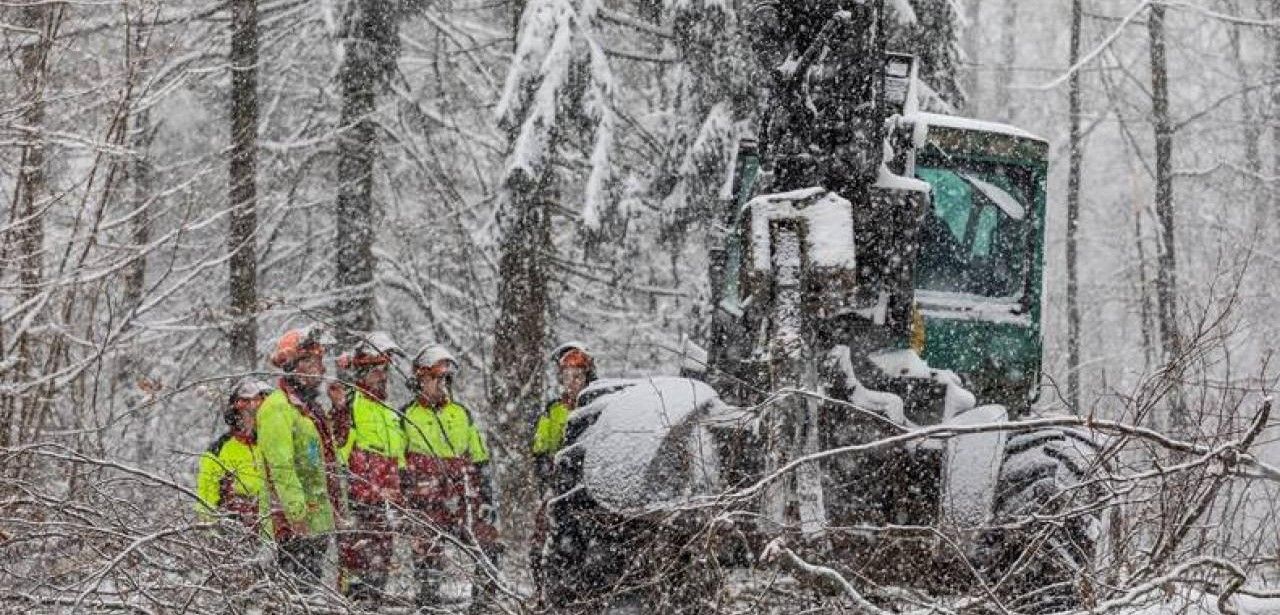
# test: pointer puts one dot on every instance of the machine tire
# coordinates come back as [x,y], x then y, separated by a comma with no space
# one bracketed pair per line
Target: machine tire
[597,556]
[1039,565]
[598,561]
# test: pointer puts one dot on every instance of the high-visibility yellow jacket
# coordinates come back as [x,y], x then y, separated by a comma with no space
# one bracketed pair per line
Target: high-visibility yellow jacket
[230,471]
[548,434]
[290,444]
[375,428]
[446,433]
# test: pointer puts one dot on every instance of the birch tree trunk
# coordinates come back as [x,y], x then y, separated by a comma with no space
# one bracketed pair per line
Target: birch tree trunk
[790,427]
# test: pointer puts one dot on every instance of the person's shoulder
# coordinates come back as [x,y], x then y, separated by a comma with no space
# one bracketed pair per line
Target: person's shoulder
[460,411]
[410,410]
[215,449]
[537,416]
[357,397]
[235,450]
[277,401]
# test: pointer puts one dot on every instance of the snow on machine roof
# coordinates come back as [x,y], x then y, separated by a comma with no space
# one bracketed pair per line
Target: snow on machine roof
[963,123]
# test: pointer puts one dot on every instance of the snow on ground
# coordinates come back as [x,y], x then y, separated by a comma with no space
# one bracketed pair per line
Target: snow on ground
[1203,604]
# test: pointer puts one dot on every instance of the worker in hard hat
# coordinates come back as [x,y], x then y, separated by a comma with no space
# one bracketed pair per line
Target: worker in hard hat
[230,477]
[299,455]
[447,486]
[373,455]
[575,370]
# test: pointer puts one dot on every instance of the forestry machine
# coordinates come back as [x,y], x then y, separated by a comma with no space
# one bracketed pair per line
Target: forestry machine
[878,272]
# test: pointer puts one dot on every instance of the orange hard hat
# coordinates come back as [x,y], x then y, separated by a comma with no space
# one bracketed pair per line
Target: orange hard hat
[297,344]
[361,361]
[575,358]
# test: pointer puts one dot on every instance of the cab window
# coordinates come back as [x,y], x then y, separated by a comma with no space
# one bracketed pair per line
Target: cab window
[976,240]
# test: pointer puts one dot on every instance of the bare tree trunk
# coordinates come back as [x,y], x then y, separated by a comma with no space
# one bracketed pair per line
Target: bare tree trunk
[1144,294]
[1073,216]
[139,174]
[1166,272]
[244,182]
[1009,55]
[1275,112]
[517,9]
[372,45]
[520,334]
[1250,129]
[972,51]
[26,221]
[791,428]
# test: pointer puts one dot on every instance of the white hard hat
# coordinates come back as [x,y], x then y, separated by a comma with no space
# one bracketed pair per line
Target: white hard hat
[246,388]
[432,355]
[378,342]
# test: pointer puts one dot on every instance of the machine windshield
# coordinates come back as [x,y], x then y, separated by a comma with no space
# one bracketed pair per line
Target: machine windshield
[977,239]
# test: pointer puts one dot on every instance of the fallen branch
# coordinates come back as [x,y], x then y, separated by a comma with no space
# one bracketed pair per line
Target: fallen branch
[827,578]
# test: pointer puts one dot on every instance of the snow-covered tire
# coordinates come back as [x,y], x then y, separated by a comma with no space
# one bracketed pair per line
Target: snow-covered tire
[1038,560]
[601,562]
[632,448]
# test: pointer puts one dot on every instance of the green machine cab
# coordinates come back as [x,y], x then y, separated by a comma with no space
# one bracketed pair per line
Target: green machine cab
[979,273]
[980,265]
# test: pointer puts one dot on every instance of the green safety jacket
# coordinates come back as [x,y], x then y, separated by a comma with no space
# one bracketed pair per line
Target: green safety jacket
[548,439]
[447,433]
[375,428]
[291,444]
[548,434]
[229,478]
[373,452]
[447,479]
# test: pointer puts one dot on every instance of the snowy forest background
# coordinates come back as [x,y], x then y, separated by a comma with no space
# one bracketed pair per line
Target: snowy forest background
[503,176]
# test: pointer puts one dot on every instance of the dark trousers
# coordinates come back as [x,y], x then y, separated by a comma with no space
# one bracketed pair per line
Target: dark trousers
[365,551]
[428,560]
[302,557]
